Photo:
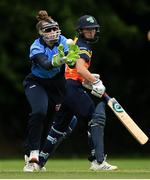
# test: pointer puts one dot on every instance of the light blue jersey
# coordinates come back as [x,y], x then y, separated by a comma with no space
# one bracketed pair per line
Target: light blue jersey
[38,47]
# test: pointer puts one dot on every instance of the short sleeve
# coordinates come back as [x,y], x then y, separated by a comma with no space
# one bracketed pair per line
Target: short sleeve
[36,48]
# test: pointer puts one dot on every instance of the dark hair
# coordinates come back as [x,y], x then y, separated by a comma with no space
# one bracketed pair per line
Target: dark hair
[42,17]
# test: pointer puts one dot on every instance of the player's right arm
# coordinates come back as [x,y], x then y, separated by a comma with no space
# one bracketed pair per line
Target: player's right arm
[83,71]
[98,88]
[38,56]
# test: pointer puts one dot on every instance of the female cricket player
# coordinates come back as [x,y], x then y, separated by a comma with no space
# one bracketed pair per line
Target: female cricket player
[45,85]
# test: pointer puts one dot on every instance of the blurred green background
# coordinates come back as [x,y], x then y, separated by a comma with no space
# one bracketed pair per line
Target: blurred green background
[121,57]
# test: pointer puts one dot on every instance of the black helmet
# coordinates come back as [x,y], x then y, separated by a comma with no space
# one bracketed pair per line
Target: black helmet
[87,21]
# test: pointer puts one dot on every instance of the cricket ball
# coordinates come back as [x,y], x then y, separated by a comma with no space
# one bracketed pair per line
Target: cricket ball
[69,41]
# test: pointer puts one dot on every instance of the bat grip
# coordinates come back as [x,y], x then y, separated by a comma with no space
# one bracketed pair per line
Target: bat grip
[106,97]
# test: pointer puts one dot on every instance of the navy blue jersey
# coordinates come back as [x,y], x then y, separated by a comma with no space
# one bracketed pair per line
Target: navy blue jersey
[38,47]
[85,49]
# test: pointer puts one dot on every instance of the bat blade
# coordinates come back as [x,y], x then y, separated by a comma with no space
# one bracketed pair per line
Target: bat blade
[127,121]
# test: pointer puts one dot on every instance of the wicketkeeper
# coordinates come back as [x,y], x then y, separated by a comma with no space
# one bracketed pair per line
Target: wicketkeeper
[45,86]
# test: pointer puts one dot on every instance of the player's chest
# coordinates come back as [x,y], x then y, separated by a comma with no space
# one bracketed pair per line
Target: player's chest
[51,52]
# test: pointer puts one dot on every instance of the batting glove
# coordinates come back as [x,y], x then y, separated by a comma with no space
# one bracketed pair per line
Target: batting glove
[98,89]
[87,84]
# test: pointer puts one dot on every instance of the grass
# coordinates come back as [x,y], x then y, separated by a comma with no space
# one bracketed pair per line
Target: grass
[77,169]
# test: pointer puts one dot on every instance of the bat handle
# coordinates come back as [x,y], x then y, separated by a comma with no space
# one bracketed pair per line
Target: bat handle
[106,97]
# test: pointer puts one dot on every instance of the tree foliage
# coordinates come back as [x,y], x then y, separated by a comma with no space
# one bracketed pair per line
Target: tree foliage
[121,56]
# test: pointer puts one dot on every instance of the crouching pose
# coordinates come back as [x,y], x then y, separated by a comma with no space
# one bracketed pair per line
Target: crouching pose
[45,86]
[77,102]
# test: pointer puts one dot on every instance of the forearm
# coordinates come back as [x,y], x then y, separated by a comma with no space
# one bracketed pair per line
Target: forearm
[43,61]
[84,72]
[87,75]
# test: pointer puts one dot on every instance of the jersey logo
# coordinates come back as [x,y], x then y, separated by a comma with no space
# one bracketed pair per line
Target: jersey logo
[90,19]
[117,107]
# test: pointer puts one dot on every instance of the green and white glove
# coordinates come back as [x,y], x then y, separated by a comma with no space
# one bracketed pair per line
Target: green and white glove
[61,50]
[59,59]
[70,59]
[73,55]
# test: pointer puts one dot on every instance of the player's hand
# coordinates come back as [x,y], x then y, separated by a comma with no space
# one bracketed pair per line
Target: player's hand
[59,59]
[87,84]
[98,89]
[70,59]
[61,50]
[97,76]
[73,55]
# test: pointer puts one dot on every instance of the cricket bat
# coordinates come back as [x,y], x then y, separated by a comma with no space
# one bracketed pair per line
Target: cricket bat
[126,120]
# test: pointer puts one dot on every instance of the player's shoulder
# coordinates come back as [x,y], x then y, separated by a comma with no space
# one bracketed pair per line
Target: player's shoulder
[83,45]
[37,47]
[62,39]
[37,43]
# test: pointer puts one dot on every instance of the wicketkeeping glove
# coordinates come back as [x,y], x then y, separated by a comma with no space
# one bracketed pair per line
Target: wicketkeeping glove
[70,59]
[98,89]
[73,55]
[59,59]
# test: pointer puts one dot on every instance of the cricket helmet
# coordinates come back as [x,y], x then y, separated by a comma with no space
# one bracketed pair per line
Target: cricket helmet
[87,21]
[48,29]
